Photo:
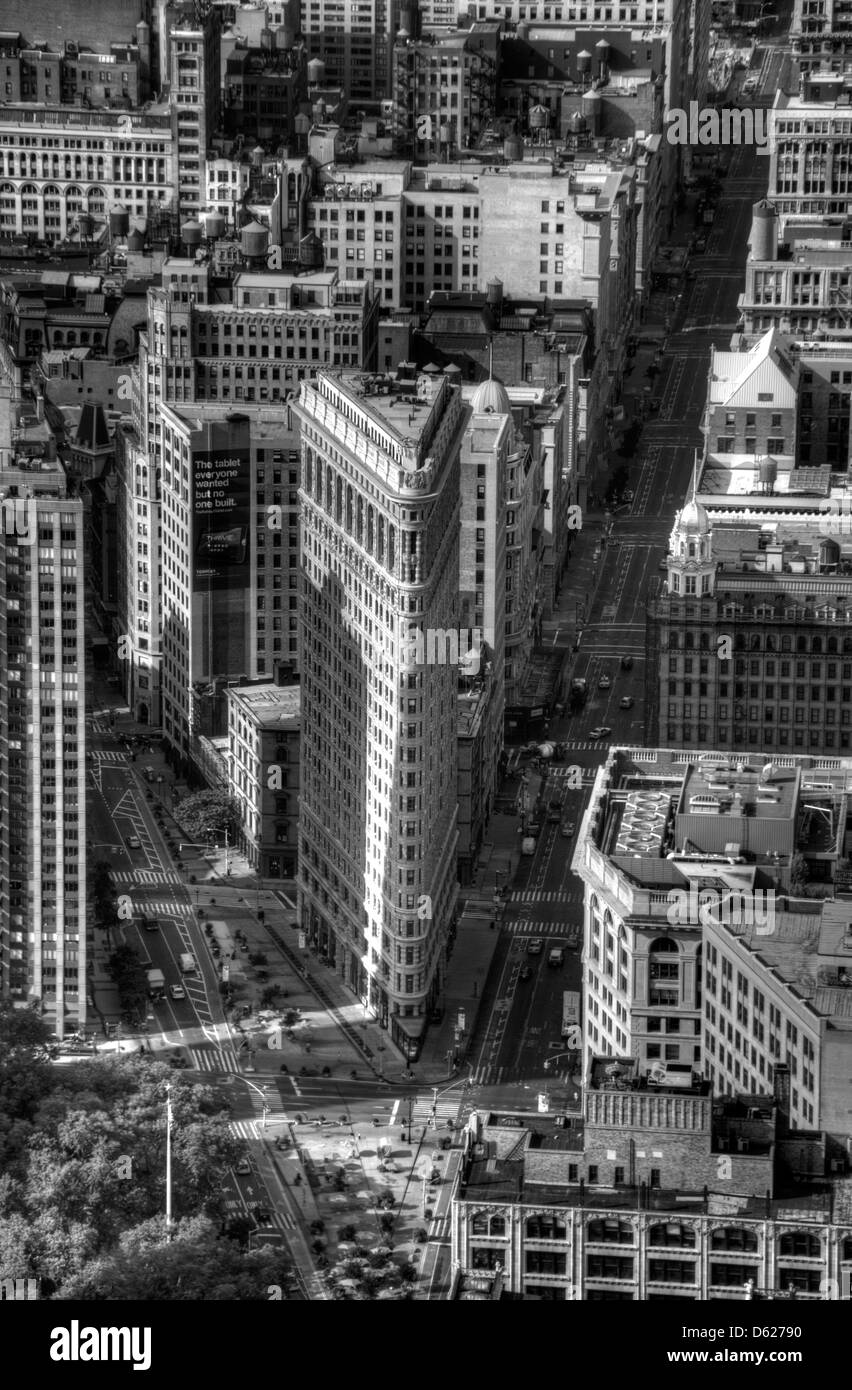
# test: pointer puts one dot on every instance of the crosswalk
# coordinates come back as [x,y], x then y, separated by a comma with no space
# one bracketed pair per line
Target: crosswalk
[279,1220]
[446,1109]
[212,1059]
[169,907]
[439,1227]
[110,756]
[159,877]
[570,934]
[100,726]
[244,1129]
[544,895]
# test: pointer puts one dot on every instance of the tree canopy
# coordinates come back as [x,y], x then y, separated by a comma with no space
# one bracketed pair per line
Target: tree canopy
[206,812]
[82,1177]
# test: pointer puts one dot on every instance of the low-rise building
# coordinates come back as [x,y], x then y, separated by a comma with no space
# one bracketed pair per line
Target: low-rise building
[263,774]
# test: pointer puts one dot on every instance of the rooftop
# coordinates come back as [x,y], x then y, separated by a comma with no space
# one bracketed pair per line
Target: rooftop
[269,707]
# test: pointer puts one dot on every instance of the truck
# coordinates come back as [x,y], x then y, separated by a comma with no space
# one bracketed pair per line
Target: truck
[156,984]
[570,1011]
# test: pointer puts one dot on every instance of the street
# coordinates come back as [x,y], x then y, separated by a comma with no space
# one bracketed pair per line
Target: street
[519,1024]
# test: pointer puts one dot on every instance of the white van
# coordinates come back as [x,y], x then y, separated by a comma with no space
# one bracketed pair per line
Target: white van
[187,964]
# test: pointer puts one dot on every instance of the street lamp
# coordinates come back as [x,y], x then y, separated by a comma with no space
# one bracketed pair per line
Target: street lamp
[436,1096]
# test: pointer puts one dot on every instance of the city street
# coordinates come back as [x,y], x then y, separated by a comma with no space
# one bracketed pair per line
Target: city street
[519,1025]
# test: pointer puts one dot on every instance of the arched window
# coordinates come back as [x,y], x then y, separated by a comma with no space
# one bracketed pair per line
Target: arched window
[674,641]
[349,508]
[593,903]
[338,500]
[359,526]
[786,644]
[546,1227]
[29,190]
[479,1224]
[816,646]
[611,1231]
[831,646]
[309,470]
[740,642]
[498,1226]
[801,1243]
[672,1233]
[801,644]
[391,547]
[380,550]
[329,490]
[689,642]
[771,644]
[734,1238]
[664,943]
[846,1248]
[755,642]
[704,641]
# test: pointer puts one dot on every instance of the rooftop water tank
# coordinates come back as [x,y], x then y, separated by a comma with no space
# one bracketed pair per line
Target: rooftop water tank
[584,60]
[494,291]
[191,233]
[764,231]
[214,225]
[257,156]
[539,117]
[85,224]
[119,220]
[829,553]
[768,471]
[136,240]
[513,147]
[254,240]
[316,72]
[301,123]
[577,123]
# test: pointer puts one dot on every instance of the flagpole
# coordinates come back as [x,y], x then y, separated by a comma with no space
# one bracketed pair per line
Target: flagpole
[168,1162]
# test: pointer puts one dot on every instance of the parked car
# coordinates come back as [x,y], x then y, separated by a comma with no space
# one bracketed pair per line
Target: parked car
[133,842]
[568,829]
[601,732]
[244,1168]
[627,663]
[604,683]
[526,972]
[150,924]
[177,991]
[626,702]
[556,956]
[535,946]
[528,845]
[554,817]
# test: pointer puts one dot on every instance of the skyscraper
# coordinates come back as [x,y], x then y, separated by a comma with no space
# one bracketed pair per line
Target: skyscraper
[42,744]
[379,650]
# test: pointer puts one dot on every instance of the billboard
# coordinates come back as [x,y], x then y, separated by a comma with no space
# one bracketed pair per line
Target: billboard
[222,511]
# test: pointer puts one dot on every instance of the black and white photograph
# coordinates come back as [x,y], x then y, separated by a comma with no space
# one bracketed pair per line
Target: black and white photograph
[426,513]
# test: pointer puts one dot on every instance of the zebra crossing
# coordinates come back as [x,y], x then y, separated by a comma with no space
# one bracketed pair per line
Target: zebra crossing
[244,1129]
[578,746]
[110,756]
[214,1059]
[100,726]
[158,877]
[524,927]
[168,907]
[544,895]
[281,1220]
[439,1227]
[446,1109]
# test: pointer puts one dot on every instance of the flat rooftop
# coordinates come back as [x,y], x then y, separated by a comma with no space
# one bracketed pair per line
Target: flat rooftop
[269,706]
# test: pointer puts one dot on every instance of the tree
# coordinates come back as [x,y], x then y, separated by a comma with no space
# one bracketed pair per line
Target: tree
[195,1265]
[207,811]
[799,871]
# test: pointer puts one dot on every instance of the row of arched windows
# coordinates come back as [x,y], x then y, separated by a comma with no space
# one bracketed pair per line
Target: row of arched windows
[364,522]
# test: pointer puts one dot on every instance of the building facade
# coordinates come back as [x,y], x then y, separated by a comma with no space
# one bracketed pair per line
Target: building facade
[378,833]
[263,774]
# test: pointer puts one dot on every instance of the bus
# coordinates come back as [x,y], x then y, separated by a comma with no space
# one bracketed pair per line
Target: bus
[570,1011]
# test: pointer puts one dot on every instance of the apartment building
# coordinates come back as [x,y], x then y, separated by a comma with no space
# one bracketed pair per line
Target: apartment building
[195,98]
[263,774]
[58,163]
[74,74]
[609,1205]
[354,39]
[444,90]
[379,754]
[207,356]
[798,277]
[810,161]
[43,945]
[821,34]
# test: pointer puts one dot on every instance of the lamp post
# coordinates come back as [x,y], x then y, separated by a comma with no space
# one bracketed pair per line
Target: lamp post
[168,1162]
[436,1096]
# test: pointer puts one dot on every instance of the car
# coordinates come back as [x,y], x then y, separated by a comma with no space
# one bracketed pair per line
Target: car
[604,683]
[528,845]
[177,991]
[133,842]
[553,817]
[628,494]
[627,663]
[526,972]
[150,924]
[261,1216]
[568,829]
[556,956]
[243,1168]
[626,702]
[535,946]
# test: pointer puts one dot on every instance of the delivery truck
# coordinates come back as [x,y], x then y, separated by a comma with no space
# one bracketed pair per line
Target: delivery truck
[156,984]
